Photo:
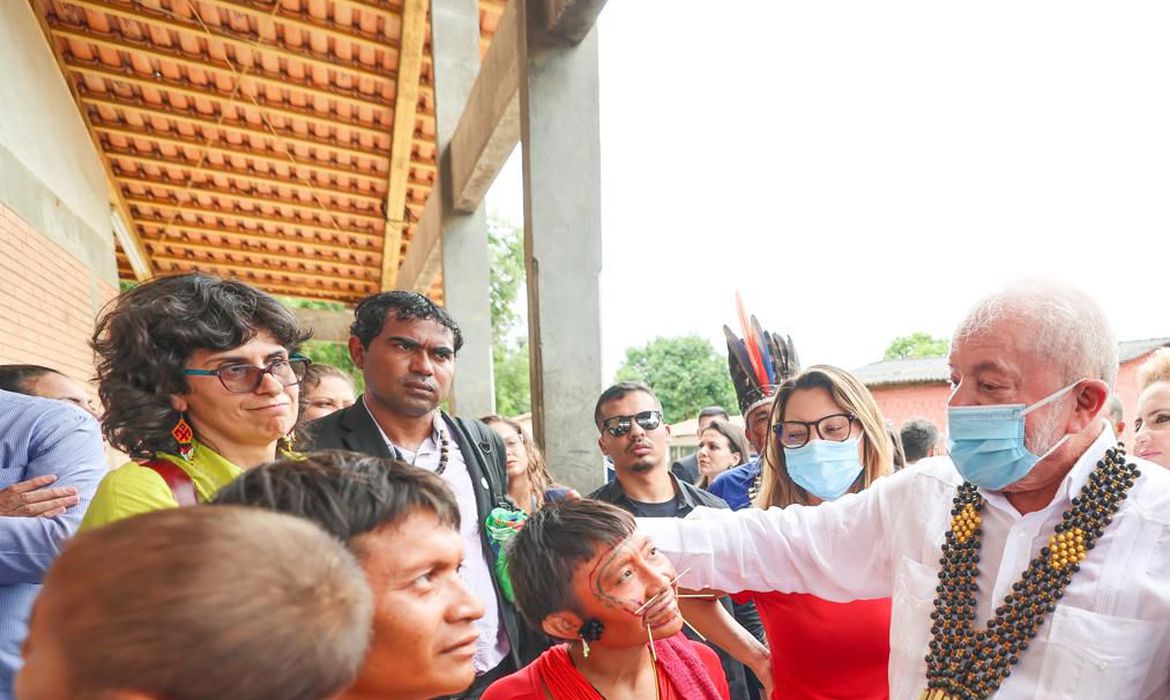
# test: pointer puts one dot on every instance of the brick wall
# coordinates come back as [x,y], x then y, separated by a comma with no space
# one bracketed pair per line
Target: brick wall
[48,301]
[901,403]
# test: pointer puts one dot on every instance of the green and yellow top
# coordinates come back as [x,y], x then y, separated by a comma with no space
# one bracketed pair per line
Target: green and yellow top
[132,488]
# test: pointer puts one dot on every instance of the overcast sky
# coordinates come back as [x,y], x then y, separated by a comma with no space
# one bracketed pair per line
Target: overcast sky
[864,170]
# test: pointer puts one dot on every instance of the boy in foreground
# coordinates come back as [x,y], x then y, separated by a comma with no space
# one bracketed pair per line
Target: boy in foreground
[583,575]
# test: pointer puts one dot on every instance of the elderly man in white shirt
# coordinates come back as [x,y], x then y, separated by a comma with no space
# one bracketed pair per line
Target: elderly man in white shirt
[1034,562]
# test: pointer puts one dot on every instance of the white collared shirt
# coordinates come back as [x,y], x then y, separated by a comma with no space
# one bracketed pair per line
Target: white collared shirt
[1106,639]
[493,644]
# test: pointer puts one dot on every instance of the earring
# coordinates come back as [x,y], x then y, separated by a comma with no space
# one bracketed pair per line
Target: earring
[590,632]
[184,436]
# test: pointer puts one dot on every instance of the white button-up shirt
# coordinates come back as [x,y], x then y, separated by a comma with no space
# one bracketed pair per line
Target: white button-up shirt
[492,646]
[1106,639]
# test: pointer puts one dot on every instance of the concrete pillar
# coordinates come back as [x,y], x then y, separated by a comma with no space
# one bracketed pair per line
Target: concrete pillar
[562,242]
[455,43]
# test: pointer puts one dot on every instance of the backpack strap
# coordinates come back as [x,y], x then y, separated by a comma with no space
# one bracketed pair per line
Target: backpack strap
[177,480]
[482,438]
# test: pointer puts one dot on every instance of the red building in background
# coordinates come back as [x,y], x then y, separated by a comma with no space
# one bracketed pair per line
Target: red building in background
[919,388]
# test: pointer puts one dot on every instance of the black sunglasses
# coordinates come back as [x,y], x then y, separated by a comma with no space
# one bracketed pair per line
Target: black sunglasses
[618,426]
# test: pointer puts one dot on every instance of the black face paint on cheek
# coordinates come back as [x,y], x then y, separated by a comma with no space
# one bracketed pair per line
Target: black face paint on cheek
[605,598]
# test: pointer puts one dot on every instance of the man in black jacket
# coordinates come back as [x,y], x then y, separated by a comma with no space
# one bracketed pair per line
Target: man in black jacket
[405,346]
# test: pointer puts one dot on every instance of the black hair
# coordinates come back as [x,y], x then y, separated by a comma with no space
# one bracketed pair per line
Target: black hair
[346,493]
[919,436]
[619,391]
[20,378]
[714,412]
[370,315]
[145,336]
[552,544]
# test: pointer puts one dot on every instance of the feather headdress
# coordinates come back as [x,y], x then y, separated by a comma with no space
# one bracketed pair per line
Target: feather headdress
[759,362]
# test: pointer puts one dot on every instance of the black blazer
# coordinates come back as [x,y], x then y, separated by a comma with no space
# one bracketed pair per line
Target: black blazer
[354,429]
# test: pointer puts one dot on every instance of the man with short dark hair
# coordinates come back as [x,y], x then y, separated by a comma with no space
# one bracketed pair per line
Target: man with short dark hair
[1116,415]
[687,468]
[635,437]
[919,439]
[251,605]
[583,575]
[405,346]
[47,383]
[402,523]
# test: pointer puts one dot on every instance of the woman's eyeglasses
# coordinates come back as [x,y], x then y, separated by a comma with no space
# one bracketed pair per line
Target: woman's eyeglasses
[795,433]
[618,426]
[244,379]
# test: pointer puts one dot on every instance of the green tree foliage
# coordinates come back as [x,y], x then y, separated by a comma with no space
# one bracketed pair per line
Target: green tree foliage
[685,372]
[916,345]
[510,360]
[326,351]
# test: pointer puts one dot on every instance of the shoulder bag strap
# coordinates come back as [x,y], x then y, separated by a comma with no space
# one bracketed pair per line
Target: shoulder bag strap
[177,480]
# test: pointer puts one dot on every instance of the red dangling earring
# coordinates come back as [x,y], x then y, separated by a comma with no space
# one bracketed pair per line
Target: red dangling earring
[184,435]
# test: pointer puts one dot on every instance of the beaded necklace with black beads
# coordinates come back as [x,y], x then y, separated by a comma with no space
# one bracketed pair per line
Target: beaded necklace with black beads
[969,664]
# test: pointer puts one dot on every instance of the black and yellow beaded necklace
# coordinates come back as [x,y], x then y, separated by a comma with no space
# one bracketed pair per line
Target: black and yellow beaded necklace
[969,664]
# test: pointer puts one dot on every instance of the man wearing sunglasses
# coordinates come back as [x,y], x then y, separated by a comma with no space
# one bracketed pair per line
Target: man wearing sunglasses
[634,435]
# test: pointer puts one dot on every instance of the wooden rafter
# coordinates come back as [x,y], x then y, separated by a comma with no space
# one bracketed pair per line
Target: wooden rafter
[229,37]
[272,264]
[320,266]
[414,26]
[180,192]
[261,235]
[371,180]
[273,272]
[372,201]
[282,136]
[246,246]
[309,116]
[353,98]
[170,209]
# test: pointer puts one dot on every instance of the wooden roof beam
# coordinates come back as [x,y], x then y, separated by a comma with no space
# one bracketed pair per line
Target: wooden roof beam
[179,58]
[490,127]
[155,245]
[318,210]
[343,175]
[269,266]
[256,11]
[414,29]
[246,218]
[366,246]
[309,116]
[424,258]
[228,37]
[275,274]
[147,114]
[372,201]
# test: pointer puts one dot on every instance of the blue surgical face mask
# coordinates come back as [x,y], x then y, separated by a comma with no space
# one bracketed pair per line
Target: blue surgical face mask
[824,468]
[986,443]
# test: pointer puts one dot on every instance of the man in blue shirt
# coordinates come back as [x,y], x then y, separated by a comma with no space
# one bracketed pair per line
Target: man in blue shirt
[755,383]
[42,442]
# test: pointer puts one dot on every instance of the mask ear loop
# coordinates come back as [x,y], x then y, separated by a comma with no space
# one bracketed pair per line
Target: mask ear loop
[1050,398]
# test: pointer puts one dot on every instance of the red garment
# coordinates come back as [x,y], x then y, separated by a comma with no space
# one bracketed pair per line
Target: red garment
[529,682]
[823,650]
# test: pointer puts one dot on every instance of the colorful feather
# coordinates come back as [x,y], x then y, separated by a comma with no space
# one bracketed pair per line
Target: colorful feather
[761,339]
[753,345]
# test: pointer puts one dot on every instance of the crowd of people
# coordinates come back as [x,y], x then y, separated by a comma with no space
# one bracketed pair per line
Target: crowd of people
[276,535]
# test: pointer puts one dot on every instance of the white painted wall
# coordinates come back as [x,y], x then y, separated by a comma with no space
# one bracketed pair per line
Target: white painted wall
[42,130]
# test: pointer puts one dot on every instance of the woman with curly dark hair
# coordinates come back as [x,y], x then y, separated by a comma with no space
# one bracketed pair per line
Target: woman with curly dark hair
[199,377]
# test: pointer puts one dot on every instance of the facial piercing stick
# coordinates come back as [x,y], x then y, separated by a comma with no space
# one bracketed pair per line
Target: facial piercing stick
[655,596]
[650,636]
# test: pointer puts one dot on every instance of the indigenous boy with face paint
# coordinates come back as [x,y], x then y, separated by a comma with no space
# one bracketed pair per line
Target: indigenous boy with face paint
[584,576]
